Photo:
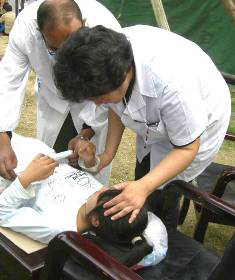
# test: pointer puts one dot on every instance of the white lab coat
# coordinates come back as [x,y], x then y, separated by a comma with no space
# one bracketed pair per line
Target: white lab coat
[26,50]
[178,96]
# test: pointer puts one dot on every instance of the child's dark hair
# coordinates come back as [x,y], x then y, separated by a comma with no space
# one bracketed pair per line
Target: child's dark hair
[118,237]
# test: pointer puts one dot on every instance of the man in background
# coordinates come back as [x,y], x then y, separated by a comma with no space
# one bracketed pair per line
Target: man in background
[38,32]
[8,19]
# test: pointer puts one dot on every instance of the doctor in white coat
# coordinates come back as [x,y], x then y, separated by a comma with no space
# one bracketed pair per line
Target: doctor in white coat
[33,47]
[160,85]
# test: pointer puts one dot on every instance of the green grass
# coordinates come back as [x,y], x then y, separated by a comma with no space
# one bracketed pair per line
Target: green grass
[231,128]
[27,125]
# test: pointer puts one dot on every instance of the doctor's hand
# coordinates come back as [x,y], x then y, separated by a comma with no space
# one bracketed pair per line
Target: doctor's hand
[40,168]
[73,159]
[8,161]
[85,134]
[131,199]
[81,147]
[74,145]
[86,151]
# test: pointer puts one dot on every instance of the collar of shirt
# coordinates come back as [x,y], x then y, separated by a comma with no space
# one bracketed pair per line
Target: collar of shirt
[127,96]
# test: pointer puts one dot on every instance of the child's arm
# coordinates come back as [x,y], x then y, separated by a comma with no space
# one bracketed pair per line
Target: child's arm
[14,210]
[16,195]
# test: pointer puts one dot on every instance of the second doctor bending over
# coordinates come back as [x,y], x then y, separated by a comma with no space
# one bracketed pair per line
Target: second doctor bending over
[47,198]
[160,85]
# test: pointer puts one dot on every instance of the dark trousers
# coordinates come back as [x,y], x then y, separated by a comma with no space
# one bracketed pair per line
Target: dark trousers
[164,204]
[67,132]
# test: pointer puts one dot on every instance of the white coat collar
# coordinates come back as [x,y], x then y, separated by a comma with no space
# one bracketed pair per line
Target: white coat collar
[143,86]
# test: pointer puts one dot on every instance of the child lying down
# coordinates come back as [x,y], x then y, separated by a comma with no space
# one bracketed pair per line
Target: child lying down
[48,198]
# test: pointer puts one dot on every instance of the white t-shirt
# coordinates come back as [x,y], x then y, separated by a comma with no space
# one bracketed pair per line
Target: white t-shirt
[48,207]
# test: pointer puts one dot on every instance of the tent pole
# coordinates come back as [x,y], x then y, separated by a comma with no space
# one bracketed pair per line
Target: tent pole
[160,14]
[230,7]
[16,7]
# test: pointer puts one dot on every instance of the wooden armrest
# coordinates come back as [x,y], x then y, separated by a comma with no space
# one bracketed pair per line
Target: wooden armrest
[19,264]
[230,137]
[93,259]
[229,78]
[224,179]
[207,200]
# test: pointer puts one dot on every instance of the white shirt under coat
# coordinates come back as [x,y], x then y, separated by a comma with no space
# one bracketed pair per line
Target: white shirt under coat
[178,96]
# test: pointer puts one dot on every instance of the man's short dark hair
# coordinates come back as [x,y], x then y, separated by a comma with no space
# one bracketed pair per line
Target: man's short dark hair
[7,7]
[50,13]
[92,62]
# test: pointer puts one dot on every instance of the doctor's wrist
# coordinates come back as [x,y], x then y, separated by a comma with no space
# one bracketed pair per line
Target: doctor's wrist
[105,159]
[147,184]
[86,134]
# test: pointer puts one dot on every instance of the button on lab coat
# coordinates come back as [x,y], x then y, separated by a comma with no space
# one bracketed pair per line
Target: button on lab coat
[26,50]
[178,96]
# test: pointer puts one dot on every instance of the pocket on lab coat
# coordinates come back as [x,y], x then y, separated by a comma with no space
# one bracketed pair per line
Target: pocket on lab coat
[156,133]
[151,133]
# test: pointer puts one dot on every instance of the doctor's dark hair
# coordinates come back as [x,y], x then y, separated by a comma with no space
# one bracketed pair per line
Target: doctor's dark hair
[92,62]
[52,13]
[116,237]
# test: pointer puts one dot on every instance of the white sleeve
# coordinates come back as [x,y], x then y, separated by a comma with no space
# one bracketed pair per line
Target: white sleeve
[14,69]
[13,198]
[15,214]
[183,108]
[97,14]
[156,235]
[95,116]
